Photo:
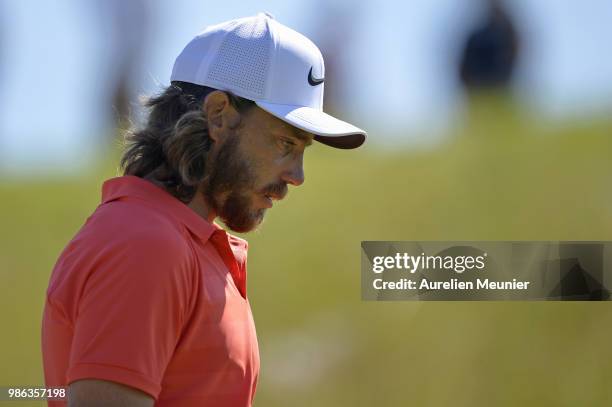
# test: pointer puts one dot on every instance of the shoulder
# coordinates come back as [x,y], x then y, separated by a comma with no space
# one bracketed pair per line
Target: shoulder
[124,245]
[137,226]
[123,234]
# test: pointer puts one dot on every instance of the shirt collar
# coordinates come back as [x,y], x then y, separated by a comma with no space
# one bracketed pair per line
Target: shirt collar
[129,186]
[231,248]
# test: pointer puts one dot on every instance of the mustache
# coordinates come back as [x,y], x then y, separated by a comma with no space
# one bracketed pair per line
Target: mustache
[277,190]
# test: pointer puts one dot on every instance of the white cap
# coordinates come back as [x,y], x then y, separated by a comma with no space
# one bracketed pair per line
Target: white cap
[262,60]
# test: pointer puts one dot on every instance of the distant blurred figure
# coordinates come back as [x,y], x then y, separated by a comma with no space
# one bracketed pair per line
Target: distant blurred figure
[490,51]
[333,31]
[126,25]
[2,34]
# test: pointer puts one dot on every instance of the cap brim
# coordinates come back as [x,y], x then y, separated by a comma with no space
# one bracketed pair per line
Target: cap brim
[327,129]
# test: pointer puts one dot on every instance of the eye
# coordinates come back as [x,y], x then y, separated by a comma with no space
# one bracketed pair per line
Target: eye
[287,145]
[288,142]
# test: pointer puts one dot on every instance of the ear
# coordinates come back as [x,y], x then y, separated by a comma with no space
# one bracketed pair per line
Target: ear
[220,114]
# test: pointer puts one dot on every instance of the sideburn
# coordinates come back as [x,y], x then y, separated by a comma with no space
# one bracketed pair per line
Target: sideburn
[226,171]
[226,189]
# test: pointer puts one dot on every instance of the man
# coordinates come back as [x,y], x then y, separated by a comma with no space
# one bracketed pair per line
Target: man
[147,305]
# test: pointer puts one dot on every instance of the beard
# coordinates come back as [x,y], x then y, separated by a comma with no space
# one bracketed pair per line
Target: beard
[230,186]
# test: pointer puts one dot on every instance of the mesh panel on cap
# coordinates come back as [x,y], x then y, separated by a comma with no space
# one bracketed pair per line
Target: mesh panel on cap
[243,63]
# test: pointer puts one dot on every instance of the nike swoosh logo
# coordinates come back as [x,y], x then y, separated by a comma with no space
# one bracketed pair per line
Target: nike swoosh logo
[314,81]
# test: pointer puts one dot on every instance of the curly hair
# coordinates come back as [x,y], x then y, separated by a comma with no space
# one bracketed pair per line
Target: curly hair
[173,145]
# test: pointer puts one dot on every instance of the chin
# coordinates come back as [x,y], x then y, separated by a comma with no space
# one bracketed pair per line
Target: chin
[248,223]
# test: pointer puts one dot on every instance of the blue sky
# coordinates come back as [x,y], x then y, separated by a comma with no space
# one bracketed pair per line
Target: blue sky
[52,81]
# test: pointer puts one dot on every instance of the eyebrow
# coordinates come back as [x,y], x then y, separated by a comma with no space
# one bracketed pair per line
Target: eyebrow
[302,136]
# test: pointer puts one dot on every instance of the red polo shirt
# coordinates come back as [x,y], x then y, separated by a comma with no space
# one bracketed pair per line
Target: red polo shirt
[150,295]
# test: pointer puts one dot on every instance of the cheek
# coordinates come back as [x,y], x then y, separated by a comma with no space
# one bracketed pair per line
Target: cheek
[267,168]
[265,174]
[266,161]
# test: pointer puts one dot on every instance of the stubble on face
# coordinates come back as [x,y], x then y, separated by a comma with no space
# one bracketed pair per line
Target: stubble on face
[230,187]
[225,189]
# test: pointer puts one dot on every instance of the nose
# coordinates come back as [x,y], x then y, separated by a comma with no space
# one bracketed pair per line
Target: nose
[295,173]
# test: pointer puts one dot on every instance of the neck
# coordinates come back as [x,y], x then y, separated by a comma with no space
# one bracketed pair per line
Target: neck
[197,204]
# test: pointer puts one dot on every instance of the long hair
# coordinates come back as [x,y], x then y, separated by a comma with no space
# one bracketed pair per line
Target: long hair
[172,147]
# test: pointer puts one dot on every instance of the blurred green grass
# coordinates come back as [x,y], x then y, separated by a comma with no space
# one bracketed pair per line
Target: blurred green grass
[499,178]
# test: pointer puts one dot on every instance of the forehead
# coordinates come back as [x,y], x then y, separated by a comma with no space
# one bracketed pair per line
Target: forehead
[276,125]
